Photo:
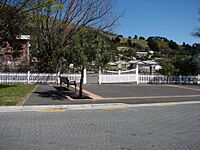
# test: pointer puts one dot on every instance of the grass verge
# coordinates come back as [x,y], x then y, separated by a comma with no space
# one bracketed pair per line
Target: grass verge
[11,95]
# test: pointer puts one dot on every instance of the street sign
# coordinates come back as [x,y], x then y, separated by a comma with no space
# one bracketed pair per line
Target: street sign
[23,37]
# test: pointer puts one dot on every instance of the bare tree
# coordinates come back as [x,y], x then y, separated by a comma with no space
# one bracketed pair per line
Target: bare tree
[196,33]
[59,20]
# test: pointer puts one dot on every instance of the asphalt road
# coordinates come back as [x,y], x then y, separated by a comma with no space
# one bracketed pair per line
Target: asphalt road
[142,128]
[134,94]
[141,90]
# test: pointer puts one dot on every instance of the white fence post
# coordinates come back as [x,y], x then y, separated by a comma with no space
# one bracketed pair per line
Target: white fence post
[58,78]
[84,76]
[99,75]
[28,77]
[137,76]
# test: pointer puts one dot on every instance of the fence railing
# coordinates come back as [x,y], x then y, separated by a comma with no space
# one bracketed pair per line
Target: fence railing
[109,77]
[161,79]
[42,78]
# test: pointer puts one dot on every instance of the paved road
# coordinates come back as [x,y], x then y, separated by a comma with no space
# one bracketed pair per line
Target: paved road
[48,95]
[142,128]
[133,90]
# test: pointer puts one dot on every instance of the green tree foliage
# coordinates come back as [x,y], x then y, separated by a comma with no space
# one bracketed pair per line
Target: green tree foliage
[14,19]
[121,36]
[135,37]
[158,38]
[141,38]
[186,66]
[88,45]
[117,39]
[129,42]
[168,68]
[57,22]
[153,45]
[173,45]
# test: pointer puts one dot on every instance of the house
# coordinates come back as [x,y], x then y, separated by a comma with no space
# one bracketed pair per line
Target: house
[141,54]
[146,67]
[9,59]
[122,65]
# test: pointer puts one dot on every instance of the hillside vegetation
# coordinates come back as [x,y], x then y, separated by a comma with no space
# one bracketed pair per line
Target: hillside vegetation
[176,59]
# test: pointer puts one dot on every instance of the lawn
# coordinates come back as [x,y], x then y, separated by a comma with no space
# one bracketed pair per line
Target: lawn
[14,94]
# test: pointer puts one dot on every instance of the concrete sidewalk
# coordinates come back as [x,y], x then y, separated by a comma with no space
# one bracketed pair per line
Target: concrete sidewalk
[49,95]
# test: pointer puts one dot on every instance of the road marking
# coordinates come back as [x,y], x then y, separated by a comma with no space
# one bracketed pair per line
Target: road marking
[114,108]
[148,97]
[91,95]
[52,110]
[167,104]
[69,98]
[184,87]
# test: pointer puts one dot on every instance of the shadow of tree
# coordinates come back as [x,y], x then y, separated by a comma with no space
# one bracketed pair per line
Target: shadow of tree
[7,85]
[59,93]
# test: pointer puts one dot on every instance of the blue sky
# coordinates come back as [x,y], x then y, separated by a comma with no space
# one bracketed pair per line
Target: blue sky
[173,19]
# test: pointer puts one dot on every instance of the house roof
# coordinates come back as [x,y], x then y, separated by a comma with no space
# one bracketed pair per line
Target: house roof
[150,62]
[136,62]
[121,62]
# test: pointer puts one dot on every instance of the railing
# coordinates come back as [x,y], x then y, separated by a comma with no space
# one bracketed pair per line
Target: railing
[28,78]
[161,79]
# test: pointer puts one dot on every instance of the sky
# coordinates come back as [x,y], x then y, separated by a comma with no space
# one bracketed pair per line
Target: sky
[173,19]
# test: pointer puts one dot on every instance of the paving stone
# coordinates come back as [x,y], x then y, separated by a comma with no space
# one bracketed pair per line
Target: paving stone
[143,128]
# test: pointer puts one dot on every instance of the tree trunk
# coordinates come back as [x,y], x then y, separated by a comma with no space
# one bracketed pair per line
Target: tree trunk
[81,83]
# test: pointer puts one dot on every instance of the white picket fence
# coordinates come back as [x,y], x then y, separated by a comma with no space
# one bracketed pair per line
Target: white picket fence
[161,79]
[29,78]
[106,77]
[118,76]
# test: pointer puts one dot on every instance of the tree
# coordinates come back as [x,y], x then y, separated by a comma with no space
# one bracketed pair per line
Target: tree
[59,20]
[129,42]
[121,36]
[14,18]
[117,39]
[186,65]
[135,37]
[88,45]
[153,45]
[168,68]
[173,45]
[196,32]
[141,38]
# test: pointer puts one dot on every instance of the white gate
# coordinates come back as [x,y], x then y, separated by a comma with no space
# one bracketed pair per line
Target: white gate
[118,76]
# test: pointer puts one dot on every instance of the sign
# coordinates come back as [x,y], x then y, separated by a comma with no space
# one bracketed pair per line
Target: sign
[23,37]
